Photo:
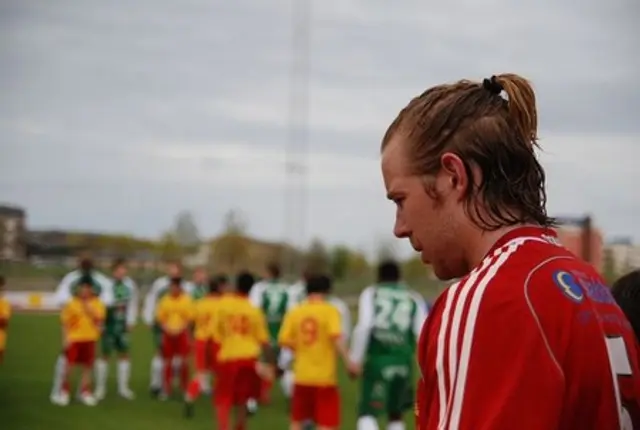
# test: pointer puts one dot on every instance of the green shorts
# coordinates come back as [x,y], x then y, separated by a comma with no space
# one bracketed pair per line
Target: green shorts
[156,333]
[110,341]
[387,387]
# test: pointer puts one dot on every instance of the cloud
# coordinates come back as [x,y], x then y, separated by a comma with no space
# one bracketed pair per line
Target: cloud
[116,115]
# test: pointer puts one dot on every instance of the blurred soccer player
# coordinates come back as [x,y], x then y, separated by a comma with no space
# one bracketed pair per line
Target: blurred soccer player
[312,330]
[175,314]
[158,289]
[200,284]
[5,315]
[626,291]
[82,319]
[206,349]
[121,318]
[529,337]
[241,332]
[298,294]
[271,295]
[64,293]
[390,318]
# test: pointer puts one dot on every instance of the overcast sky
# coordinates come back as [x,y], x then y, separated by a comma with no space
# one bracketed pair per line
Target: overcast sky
[115,115]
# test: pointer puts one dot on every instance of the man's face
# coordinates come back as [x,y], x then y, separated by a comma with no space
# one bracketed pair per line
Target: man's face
[120,272]
[173,270]
[428,222]
[199,276]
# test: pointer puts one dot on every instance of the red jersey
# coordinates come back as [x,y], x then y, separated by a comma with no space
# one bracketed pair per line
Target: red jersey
[531,339]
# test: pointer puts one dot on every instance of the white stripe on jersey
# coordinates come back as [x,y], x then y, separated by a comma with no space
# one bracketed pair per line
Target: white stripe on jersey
[451,385]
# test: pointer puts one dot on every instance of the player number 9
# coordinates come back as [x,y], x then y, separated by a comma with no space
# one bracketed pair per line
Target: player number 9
[308,331]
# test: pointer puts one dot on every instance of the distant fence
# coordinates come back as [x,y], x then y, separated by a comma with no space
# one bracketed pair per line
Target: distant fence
[32,300]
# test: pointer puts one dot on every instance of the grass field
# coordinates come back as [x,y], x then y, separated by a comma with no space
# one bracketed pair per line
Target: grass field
[25,384]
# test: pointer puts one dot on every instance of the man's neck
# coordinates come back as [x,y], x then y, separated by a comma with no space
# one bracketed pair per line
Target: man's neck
[483,241]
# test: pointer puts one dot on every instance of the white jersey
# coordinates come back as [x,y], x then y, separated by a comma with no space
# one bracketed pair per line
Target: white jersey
[158,288]
[366,321]
[64,290]
[257,293]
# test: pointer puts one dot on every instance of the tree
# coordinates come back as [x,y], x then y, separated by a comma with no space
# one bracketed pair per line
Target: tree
[169,247]
[414,270]
[317,257]
[385,250]
[339,261]
[185,230]
[358,265]
[231,249]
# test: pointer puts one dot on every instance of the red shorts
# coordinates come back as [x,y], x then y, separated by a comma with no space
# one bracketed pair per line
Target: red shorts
[319,404]
[237,382]
[175,346]
[81,353]
[205,355]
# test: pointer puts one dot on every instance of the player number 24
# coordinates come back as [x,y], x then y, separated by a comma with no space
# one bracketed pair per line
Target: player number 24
[393,313]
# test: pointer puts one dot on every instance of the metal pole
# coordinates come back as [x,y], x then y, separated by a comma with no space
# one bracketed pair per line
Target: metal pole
[297,146]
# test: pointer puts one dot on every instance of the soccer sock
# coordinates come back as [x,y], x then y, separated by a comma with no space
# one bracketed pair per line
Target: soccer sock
[184,374]
[223,411]
[157,366]
[286,383]
[102,370]
[124,374]
[367,423]
[59,374]
[193,391]
[168,377]
[395,425]
[265,390]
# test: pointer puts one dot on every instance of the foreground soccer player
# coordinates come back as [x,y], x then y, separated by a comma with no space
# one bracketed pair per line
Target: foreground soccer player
[206,349]
[271,295]
[241,331]
[390,319]
[626,291]
[175,314]
[529,337]
[64,293]
[121,318]
[82,320]
[5,315]
[158,289]
[312,330]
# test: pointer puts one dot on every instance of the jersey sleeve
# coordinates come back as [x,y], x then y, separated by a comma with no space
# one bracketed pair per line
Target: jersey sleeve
[63,291]
[255,295]
[286,336]
[133,306]
[334,323]
[100,311]
[345,318]
[495,369]
[65,314]
[161,312]
[262,334]
[362,331]
[420,315]
[150,301]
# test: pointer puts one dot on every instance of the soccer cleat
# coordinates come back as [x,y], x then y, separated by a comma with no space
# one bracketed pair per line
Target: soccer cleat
[60,399]
[100,393]
[252,406]
[189,409]
[88,399]
[155,392]
[126,393]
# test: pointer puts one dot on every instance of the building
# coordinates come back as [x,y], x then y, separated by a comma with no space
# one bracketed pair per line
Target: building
[579,236]
[625,256]
[13,245]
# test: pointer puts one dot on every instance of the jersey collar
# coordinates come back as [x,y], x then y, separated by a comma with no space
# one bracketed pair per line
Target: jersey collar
[545,233]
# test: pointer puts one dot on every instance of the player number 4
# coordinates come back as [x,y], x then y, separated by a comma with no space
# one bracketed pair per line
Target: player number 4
[393,313]
[620,366]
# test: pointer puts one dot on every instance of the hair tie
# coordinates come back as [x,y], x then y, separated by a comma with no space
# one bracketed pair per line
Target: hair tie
[492,85]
